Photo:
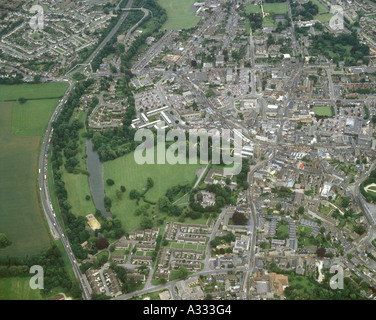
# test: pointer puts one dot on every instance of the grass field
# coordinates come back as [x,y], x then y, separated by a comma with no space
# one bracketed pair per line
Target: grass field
[125,171]
[322,8]
[21,218]
[33,91]
[77,185]
[277,7]
[324,17]
[30,118]
[252,8]
[18,288]
[179,14]
[323,111]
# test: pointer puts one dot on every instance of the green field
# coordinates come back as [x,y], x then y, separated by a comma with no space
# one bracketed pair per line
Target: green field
[323,111]
[277,7]
[18,288]
[77,185]
[21,128]
[30,118]
[322,8]
[268,21]
[325,17]
[125,171]
[33,91]
[252,8]
[179,14]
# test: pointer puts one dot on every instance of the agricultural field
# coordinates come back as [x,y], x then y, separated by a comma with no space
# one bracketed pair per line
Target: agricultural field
[21,128]
[18,288]
[126,172]
[179,14]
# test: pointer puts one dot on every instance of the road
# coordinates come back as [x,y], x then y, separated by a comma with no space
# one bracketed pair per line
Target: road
[42,170]
[104,42]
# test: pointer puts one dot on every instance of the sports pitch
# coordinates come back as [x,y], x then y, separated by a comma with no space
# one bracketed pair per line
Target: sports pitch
[179,14]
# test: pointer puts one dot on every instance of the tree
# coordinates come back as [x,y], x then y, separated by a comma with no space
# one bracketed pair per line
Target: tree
[110,182]
[22,100]
[239,218]
[122,188]
[4,241]
[149,183]
[102,243]
[134,194]
[182,273]
[163,203]
[87,197]
[321,252]
[301,210]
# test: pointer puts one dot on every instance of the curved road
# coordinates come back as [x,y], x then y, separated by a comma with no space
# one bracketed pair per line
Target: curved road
[42,168]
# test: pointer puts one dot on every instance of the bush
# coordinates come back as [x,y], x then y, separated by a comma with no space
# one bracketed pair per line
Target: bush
[110,182]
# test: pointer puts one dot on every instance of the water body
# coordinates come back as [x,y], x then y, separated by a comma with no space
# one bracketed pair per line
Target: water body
[95,169]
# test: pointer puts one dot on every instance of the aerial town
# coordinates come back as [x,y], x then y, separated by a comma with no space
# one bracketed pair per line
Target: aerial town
[294,81]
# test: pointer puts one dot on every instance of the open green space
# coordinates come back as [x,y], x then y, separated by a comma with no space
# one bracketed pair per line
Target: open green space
[126,172]
[21,218]
[33,91]
[252,8]
[323,111]
[30,118]
[268,21]
[179,14]
[324,17]
[325,210]
[322,8]
[18,288]
[77,185]
[276,7]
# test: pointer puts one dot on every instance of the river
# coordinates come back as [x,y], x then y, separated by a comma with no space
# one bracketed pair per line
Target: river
[96,182]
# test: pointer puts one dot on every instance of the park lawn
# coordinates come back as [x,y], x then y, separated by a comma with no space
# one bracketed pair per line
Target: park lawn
[252,8]
[33,91]
[125,171]
[326,210]
[268,21]
[176,245]
[31,117]
[18,288]
[324,17]
[184,200]
[322,8]
[282,231]
[277,7]
[323,111]
[179,14]
[77,185]
[21,218]
[103,253]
